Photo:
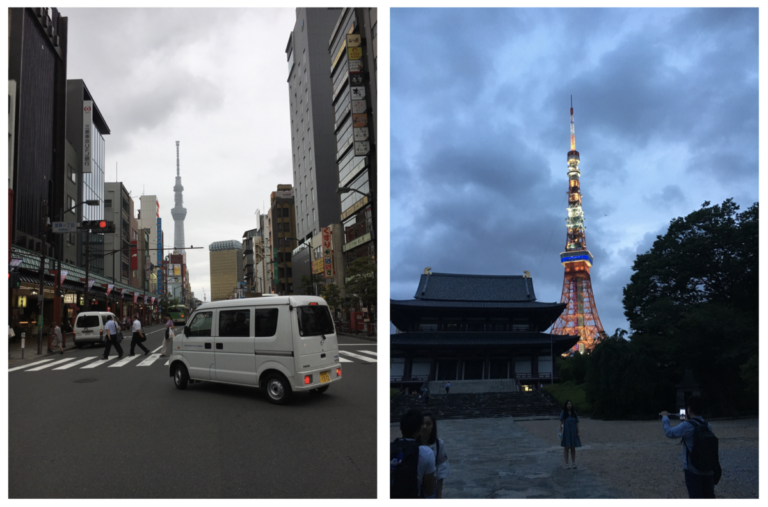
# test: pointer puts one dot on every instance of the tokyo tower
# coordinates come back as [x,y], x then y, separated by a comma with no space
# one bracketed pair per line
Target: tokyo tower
[580,314]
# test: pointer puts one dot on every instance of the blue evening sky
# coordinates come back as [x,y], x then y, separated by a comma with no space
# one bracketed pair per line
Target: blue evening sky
[666,112]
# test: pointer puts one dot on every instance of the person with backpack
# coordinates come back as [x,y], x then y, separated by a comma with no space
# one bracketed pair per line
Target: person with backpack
[429,438]
[701,463]
[411,465]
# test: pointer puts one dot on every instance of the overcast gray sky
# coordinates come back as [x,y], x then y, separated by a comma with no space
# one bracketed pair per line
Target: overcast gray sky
[666,112]
[213,79]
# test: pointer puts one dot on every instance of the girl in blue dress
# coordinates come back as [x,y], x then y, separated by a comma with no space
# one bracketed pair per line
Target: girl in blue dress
[569,428]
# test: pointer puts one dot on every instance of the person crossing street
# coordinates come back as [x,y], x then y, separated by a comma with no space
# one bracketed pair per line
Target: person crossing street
[138,337]
[112,339]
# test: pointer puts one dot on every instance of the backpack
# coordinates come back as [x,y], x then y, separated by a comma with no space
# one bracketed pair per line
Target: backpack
[704,455]
[403,469]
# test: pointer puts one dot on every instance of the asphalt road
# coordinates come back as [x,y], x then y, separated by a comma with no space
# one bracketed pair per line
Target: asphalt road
[127,432]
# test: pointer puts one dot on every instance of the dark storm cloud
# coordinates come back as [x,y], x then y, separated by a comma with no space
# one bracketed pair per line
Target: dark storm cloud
[666,117]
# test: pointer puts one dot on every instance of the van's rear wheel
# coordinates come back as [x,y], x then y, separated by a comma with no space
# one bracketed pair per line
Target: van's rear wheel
[319,390]
[278,390]
[180,377]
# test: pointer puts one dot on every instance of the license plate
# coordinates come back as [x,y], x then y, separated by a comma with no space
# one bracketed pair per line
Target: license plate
[87,331]
[325,376]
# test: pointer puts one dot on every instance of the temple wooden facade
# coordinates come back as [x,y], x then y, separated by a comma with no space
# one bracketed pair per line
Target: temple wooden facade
[474,327]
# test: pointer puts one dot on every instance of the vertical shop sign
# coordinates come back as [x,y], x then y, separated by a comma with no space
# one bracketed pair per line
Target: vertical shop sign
[87,135]
[328,253]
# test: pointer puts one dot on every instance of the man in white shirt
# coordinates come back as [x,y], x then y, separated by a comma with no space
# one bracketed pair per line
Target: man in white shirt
[138,337]
[111,329]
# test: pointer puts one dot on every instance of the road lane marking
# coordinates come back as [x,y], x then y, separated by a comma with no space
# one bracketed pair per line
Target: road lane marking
[31,364]
[343,360]
[52,364]
[70,365]
[122,362]
[368,352]
[148,361]
[97,363]
[167,362]
[357,356]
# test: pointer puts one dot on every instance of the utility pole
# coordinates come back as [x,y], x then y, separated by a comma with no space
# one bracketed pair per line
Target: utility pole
[41,295]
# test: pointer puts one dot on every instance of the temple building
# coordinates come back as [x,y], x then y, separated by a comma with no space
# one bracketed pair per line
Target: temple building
[474,327]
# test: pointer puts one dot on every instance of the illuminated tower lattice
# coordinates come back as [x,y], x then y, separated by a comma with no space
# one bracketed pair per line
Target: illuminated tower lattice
[580,315]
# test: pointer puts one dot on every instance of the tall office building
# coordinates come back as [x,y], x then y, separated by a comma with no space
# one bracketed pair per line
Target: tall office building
[353,50]
[282,227]
[313,146]
[226,262]
[37,95]
[149,218]
[117,209]
[86,129]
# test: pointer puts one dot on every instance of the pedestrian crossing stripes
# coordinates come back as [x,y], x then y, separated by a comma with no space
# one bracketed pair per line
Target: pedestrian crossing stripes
[358,356]
[364,356]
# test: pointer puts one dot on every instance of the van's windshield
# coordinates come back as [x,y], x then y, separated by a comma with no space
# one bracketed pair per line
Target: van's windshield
[314,320]
[88,321]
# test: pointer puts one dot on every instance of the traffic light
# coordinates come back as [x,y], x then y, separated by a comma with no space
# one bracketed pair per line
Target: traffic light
[14,280]
[99,226]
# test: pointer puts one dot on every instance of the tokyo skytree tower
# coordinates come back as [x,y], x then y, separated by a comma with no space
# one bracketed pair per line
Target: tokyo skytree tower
[178,212]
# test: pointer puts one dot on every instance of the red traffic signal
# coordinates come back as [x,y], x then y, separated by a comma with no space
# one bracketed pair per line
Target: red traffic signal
[99,226]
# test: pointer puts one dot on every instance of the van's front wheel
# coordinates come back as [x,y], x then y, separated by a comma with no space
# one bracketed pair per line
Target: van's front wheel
[181,377]
[278,390]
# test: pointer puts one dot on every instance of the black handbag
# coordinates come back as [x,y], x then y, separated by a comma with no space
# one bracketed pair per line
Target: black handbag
[167,333]
[119,337]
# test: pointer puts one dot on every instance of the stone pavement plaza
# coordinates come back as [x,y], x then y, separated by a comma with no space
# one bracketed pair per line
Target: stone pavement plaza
[522,458]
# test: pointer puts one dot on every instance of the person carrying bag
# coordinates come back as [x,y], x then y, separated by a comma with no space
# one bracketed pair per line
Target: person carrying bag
[169,334]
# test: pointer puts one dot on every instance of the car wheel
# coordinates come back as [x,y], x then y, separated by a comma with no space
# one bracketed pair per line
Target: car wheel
[319,390]
[278,390]
[181,377]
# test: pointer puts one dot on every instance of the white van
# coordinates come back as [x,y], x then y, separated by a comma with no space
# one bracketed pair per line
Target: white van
[90,328]
[280,344]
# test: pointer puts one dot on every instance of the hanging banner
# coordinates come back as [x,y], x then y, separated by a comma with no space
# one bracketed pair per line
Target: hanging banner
[135,297]
[153,300]
[90,284]
[146,298]
[109,288]
[122,291]
[134,255]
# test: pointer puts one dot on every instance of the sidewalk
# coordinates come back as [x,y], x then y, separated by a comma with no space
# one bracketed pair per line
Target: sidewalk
[360,336]
[496,458]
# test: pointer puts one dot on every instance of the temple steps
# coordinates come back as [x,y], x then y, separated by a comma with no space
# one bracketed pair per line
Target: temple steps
[477,405]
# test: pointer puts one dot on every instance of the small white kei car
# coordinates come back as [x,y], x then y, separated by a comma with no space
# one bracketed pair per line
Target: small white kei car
[280,344]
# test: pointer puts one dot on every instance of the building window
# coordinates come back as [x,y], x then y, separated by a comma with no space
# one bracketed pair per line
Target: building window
[72,173]
[107,203]
[70,203]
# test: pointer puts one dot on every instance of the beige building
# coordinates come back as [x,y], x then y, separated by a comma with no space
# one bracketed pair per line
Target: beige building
[226,261]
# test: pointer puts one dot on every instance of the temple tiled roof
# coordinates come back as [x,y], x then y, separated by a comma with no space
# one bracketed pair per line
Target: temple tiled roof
[479,288]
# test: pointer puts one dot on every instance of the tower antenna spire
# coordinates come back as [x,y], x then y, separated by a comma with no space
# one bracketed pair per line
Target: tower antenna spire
[573,131]
[177,148]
